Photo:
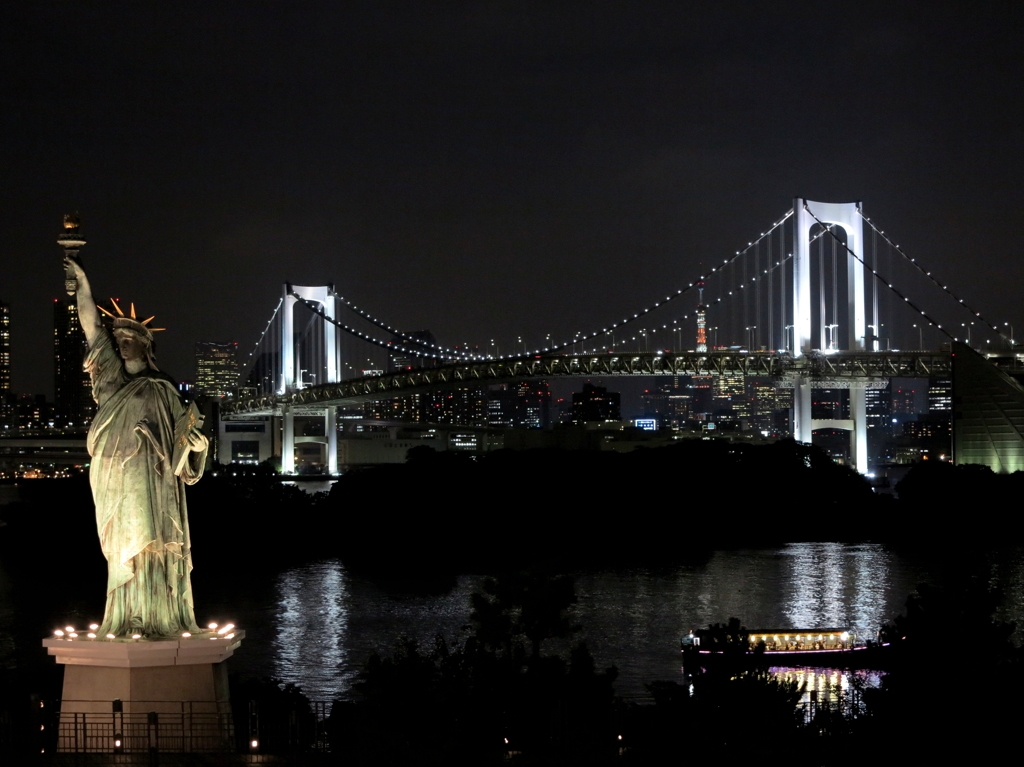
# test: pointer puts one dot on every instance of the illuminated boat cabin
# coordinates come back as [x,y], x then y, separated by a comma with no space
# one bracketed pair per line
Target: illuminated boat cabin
[809,640]
[789,640]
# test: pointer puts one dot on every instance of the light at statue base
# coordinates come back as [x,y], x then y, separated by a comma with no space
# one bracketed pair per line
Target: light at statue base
[69,634]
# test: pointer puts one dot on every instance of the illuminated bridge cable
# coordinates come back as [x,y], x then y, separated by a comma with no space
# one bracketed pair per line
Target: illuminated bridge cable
[884,281]
[669,298]
[317,309]
[928,275]
[385,326]
[782,288]
[446,353]
[740,290]
[578,339]
[273,316]
[874,288]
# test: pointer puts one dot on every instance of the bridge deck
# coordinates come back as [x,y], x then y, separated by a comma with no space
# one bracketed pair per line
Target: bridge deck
[837,370]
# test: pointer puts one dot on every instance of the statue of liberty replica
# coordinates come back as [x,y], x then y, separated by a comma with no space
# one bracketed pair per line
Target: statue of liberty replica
[149,655]
[145,447]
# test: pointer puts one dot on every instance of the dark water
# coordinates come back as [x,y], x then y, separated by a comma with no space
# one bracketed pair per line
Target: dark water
[315,624]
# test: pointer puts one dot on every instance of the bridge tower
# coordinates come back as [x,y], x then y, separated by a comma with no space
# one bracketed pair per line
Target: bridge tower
[848,216]
[702,321]
[291,379]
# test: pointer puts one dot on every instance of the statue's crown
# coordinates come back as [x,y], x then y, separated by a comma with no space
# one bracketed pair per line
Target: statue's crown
[121,322]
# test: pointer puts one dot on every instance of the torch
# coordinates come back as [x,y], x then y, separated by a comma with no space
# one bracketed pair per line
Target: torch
[71,241]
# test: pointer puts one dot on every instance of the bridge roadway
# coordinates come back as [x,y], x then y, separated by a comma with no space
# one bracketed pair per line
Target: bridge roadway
[843,369]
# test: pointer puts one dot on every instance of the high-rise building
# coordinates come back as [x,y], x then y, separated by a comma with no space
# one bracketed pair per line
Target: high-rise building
[8,401]
[34,412]
[702,389]
[524,405]
[409,351]
[533,404]
[73,403]
[940,395]
[680,407]
[828,404]
[408,408]
[904,400]
[878,409]
[595,403]
[5,347]
[8,411]
[730,393]
[878,414]
[764,404]
[501,406]
[216,368]
[457,407]
[654,403]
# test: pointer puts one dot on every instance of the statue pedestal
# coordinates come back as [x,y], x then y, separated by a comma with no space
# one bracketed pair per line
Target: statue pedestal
[138,695]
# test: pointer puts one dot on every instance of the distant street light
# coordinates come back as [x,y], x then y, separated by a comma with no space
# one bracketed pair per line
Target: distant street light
[968,326]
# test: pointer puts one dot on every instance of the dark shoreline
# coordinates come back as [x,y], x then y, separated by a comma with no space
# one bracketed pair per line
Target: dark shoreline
[441,514]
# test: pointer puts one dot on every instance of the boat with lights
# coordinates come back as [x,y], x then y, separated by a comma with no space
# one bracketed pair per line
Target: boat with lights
[822,647]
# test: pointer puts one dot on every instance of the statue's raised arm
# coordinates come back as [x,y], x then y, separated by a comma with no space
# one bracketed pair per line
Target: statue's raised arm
[88,315]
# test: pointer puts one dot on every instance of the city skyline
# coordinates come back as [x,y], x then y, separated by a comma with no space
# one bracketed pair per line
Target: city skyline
[484,172]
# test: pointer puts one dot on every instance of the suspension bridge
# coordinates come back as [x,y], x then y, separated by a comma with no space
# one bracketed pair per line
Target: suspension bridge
[822,298]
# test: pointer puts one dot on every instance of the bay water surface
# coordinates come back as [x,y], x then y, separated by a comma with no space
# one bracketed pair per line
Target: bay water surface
[315,624]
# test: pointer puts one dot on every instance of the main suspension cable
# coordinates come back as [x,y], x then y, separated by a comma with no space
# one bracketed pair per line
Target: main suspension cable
[928,275]
[884,281]
[317,308]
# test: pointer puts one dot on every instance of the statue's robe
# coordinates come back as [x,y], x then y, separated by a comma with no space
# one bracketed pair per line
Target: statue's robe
[140,503]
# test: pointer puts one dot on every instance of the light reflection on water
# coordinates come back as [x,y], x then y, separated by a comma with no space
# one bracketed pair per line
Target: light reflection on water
[312,629]
[634,618]
[830,684]
[316,624]
[311,486]
[838,586]
[329,621]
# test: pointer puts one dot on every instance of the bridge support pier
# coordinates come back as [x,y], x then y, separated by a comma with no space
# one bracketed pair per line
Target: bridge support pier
[287,440]
[804,425]
[332,440]
[859,416]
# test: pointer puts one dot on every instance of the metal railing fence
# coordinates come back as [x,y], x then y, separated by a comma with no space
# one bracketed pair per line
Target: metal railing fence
[42,730]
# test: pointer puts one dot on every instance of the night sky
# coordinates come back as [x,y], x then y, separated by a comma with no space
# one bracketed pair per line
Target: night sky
[486,169]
